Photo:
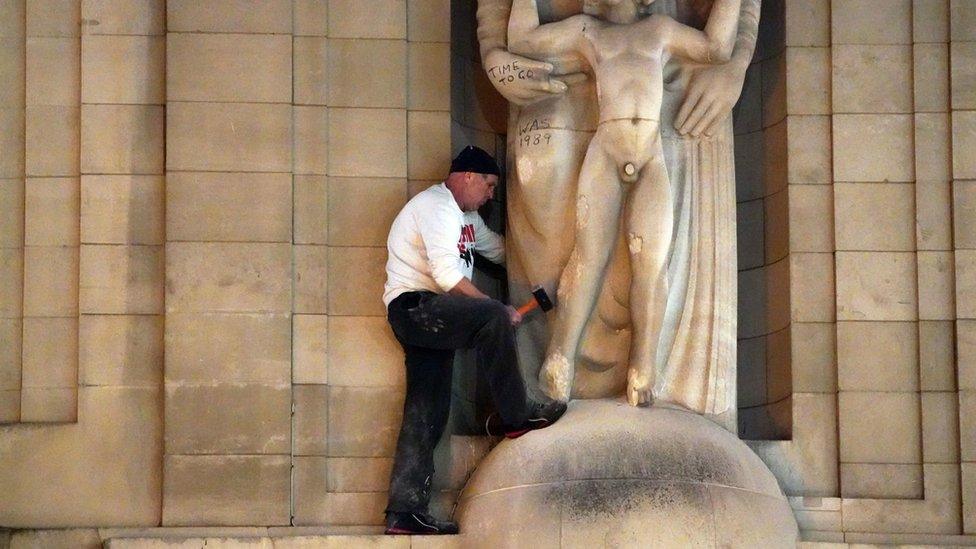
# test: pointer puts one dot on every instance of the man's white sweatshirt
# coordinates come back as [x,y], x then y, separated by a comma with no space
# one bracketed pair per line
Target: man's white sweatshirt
[431,243]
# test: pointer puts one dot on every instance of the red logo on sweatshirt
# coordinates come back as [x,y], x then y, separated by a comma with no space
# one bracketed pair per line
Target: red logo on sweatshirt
[467,236]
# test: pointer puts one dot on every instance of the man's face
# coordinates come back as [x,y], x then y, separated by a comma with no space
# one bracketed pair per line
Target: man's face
[478,189]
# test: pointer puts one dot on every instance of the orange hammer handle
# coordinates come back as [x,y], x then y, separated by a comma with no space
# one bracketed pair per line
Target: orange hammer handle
[528,307]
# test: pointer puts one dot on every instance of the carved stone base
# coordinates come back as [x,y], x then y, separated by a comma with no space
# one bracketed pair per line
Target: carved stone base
[608,474]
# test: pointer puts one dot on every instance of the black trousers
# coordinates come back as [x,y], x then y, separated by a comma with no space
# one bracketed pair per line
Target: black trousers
[430,327]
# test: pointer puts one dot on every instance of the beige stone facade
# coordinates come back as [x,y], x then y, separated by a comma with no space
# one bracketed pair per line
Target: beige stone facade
[194,199]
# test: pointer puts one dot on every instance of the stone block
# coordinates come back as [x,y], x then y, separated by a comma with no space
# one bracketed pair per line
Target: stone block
[456,457]
[425,21]
[876,286]
[11,282]
[931,71]
[930,20]
[880,427]
[936,286]
[355,509]
[752,304]
[310,489]
[937,355]
[78,538]
[11,213]
[122,279]
[429,82]
[49,405]
[778,295]
[814,357]
[223,16]
[937,513]
[50,353]
[311,72]
[777,226]
[964,213]
[227,540]
[12,16]
[933,215]
[11,362]
[311,286]
[311,140]
[124,17]
[228,348]
[932,146]
[53,18]
[963,20]
[872,79]
[874,147]
[225,67]
[53,67]
[9,409]
[877,356]
[871,21]
[808,150]
[356,284]
[124,209]
[123,69]
[967,425]
[364,421]
[236,207]
[207,419]
[310,349]
[311,419]
[230,490]
[311,17]
[940,427]
[354,199]
[966,336]
[383,85]
[747,113]
[816,513]
[969,497]
[120,350]
[311,210]
[964,139]
[750,234]
[775,157]
[368,142]
[122,139]
[228,137]
[807,22]
[874,217]
[355,341]
[966,283]
[751,372]
[50,281]
[812,296]
[13,142]
[388,19]
[773,89]
[415,186]
[429,140]
[52,142]
[51,211]
[811,218]
[881,480]
[238,277]
[808,81]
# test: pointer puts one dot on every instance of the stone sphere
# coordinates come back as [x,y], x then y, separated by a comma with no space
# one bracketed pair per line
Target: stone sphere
[611,475]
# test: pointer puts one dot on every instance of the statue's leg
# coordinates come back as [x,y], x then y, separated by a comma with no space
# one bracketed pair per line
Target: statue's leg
[649,222]
[598,204]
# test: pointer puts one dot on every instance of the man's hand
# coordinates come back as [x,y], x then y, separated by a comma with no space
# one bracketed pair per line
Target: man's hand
[514,315]
[712,92]
[521,80]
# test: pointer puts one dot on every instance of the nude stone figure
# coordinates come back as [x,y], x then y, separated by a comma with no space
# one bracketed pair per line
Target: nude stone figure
[623,171]
[696,362]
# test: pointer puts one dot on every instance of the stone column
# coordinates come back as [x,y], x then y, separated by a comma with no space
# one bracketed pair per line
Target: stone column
[229,297]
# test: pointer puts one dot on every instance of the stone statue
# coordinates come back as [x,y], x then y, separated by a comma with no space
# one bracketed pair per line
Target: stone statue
[670,334]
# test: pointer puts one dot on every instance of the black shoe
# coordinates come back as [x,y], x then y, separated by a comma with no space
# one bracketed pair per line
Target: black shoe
[420,524]
[542,415]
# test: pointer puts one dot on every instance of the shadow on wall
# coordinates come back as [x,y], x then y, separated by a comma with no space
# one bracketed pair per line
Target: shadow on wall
[479,117]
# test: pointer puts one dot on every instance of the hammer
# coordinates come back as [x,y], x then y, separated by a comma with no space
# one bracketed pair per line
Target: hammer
[539,299]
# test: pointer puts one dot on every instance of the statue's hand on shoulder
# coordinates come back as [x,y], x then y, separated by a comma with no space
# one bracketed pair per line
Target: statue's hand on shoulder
[524,81]
[712,92]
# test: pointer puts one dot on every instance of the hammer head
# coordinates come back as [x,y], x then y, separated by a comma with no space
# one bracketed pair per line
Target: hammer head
[542,298]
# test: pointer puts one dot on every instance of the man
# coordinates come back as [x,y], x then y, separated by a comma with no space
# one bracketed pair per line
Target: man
[434,309]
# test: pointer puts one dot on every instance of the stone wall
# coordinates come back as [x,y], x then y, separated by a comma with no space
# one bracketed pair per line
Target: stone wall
[194,199]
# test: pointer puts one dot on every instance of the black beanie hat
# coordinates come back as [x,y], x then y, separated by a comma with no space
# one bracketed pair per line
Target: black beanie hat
[473,159]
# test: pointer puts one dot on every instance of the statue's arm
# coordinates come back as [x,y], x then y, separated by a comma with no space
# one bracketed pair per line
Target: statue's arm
[526,36]
[714,44]
[531,80]
[713,90]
